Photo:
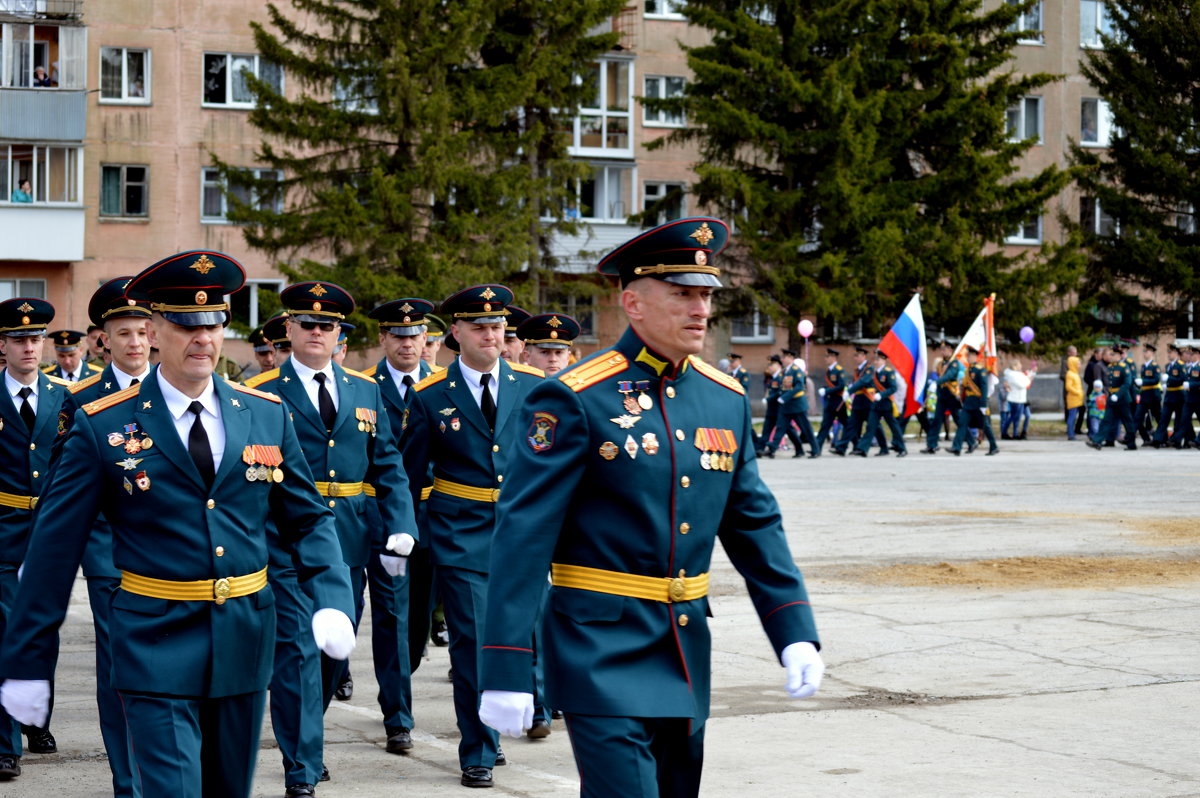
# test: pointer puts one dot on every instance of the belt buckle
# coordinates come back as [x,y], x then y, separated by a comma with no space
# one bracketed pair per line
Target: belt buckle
[495,494]
[221,590]
[33,500]
[677,589]
[335,489]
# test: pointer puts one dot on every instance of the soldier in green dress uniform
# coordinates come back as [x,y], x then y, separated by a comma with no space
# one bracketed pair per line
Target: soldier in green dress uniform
[974,407]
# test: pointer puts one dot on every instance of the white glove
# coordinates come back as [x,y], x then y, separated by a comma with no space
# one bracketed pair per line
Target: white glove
[333,632]
[507,712]
[804,669]
[781,400]
[26,701]
[875,397]
[821,392]
[394,566]
[1138,382]
[1162,379]
[764,400]
[1185,385]
[401,543]
[21,570]
[1114,398]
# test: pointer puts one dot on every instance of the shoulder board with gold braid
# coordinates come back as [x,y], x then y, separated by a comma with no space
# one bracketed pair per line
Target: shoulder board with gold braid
[436,368]
[259,379]
[358,374]
[590,372]
[95,368]
[105,402]
[48,369]
[59,381]
[432,379]
[76,387]
[521,367]
[237,386]
[370,372]
[716,375]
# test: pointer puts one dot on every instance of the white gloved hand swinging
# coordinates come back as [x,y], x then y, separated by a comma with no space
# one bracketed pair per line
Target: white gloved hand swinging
[333,632]
[27,701]
[507,712]
[805,669]
[397,564]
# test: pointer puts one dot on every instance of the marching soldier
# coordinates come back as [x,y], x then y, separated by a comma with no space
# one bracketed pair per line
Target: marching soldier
[264,351]
[1149,403]
[974,407]
[1118,408]
[337,413]
[31,419]
[68,351]
[793,408]
[1184,435]
[435,332]
[186,469]
[774,427]
[738,371]
[462,425]
[97,354]
[275,331]
[400,605]
[125,334]
[835,402]
[631,464]
[1174,376]
[548,340]
[884,386]
[949,378]
[860,405]
[513,345]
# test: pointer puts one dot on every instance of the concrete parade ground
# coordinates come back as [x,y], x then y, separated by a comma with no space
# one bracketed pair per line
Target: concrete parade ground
[1019,625]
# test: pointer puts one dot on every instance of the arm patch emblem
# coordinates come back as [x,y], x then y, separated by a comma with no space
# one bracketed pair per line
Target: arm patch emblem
[541,431]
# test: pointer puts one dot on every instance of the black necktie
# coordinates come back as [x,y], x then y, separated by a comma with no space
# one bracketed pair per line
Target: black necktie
[27,413]
[134,381]
[199,448]
[486,403]
[408,387]
[325,403]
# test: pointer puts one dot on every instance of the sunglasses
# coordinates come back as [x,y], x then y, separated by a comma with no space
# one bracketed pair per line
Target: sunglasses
[325,326]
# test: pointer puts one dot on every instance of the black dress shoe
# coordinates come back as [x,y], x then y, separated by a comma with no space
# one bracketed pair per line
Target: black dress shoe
[993,451]
[476,776]
[927,450]
[1094,445]
[324,774]
[345,690]
[501,759]
[882,453]
[539,729]
[294,790]
[814,455]
[770,454]
[41,741]
[858,453]
[556,714]
[399,740]
[839,452]
[797,454]
[902,453]
[10,767]
[440,634]
[956,452]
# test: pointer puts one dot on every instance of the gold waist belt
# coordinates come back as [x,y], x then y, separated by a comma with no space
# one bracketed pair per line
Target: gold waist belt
[337,490]
[464,491]
[652,588]
[19,502]
[1171,388]
[217,590]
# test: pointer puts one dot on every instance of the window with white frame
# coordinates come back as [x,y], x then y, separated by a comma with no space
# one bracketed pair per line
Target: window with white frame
[1095,219]
[124,190]
[36,56]
[1024,120]
[355,93]
[665,9]
[580,308]
[1027,232]
[675,208]
[1185,218]
[214,205]
[225,83]
[124,75]
[33,173]
[606,196]
[10,289]
[755,328]
[1094,21]
[602,126]
[663,87]
[256,302]
[1095,122]
[1029,22]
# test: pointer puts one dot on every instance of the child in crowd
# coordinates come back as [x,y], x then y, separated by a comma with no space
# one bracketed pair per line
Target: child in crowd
[1095,404]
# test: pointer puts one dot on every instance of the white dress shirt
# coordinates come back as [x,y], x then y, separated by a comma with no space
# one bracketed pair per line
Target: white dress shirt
[473,382]
[306,375]
[13,387]
[398,377]
[124,380]
[178,404]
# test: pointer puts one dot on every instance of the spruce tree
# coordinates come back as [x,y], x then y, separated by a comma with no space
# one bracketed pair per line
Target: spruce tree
[860,147]
[402,152]
[1142,270]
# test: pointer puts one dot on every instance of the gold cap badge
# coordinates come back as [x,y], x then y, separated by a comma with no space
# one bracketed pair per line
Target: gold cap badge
[201,298]
[318,290]
[487,293]
[703,234]
[203,265]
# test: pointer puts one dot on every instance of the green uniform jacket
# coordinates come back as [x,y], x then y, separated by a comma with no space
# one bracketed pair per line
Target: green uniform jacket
[743,378]
[174,528]
[1149,374]
[975,388]
[447,431]
[858,388]
[398,418]
[1120,381]
[794,391]
[600,491]
[25,465]
[350,454]
[835,380]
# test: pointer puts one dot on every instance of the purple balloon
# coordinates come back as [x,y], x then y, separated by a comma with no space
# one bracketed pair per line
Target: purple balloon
[1026,334]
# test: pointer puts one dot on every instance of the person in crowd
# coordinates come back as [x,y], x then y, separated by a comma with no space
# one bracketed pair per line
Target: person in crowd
[1073,393]
[1017,382]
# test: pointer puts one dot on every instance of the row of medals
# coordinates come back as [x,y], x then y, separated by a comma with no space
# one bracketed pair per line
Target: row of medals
[716,461]
[261,473]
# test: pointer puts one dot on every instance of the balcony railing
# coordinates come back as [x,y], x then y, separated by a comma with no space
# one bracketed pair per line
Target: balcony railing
[41,9]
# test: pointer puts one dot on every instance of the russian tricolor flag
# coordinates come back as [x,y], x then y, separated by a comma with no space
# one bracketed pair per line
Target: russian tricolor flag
[905,347]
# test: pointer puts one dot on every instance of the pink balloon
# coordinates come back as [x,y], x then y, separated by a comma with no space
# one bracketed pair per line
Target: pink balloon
[805,328]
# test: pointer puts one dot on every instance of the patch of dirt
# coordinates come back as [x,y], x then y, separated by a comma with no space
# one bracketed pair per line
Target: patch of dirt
[1035,572]
[1169,531]
[877,697]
